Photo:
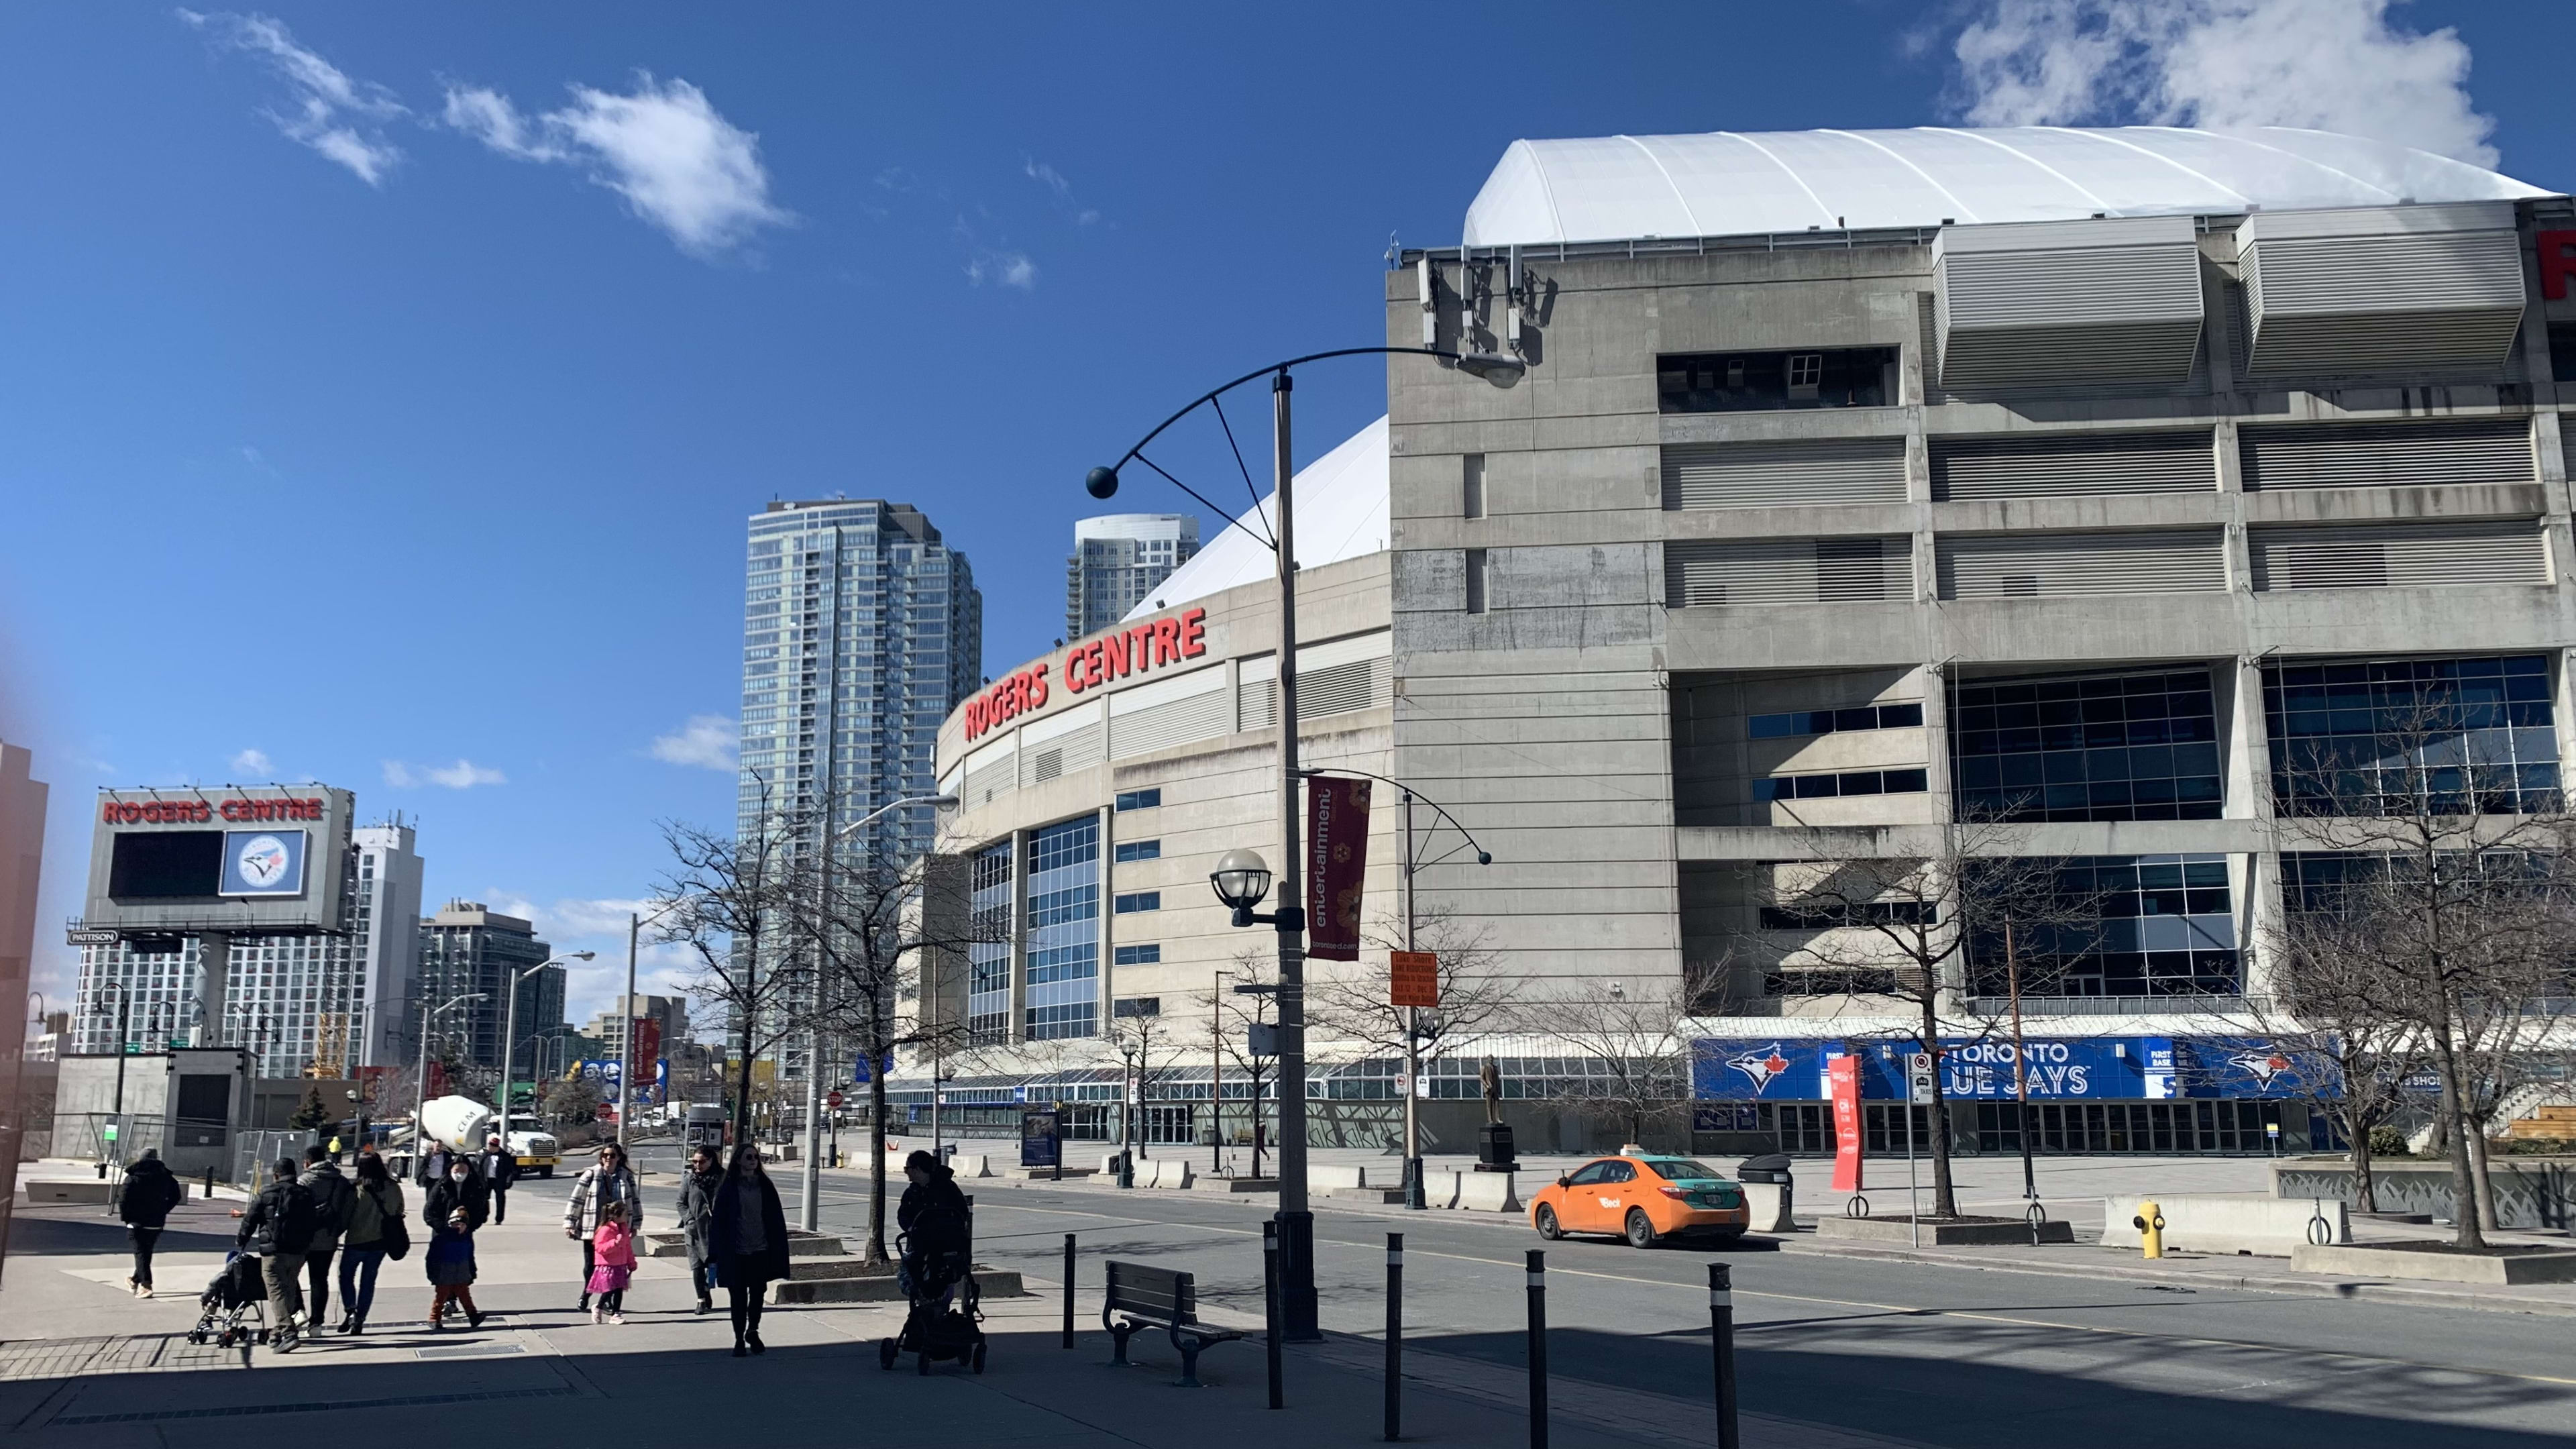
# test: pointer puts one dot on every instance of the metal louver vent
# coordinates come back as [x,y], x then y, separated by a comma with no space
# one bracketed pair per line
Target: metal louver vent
[1336,690]
[1701,572]
[2386,455]
[2056,465]
[1770,475]
[2379,289]
[1201,716]
[2081,565]
[1257,704]
[987,782]
[2400,556]
[2052,303]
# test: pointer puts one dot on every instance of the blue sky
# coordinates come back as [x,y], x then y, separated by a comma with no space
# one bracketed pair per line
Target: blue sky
[382,392]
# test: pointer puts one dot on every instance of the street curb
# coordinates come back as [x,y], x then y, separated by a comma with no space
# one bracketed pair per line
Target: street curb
[2348,1289]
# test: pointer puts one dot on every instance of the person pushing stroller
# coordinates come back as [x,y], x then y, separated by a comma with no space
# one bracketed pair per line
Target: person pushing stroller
[936,1270]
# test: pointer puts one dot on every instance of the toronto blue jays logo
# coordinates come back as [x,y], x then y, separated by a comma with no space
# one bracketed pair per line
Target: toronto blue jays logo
[1760,1064]
[2262,1063]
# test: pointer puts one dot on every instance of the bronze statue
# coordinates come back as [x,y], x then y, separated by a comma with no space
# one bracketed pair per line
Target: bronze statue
[1489,1078]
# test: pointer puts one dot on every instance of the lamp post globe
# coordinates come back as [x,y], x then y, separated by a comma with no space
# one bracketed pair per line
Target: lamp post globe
[1241,879]
[1100,482]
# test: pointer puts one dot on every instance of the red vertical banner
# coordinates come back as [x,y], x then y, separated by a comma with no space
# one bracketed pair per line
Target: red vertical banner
[1337,812]
[639,1066]
[1842,1077]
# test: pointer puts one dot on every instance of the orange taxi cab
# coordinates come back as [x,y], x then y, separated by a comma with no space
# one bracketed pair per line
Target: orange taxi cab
[1643,1199]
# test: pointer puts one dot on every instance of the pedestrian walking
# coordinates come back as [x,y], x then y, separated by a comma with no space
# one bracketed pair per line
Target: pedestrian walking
[144,1204]
[277,1228]
[500,1170]
[375,1230]
[750,1231]
[433,1166]
[454,1209]
[331,1194]
[613,1264]
[611,1180]
[697,1220]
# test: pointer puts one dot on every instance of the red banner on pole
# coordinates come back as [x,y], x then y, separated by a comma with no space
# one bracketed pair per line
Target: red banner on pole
[647,1050]
[1337,812]
[1842,1075]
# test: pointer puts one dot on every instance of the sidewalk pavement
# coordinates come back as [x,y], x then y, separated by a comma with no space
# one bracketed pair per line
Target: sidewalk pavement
[2085,1258]
[87,1365]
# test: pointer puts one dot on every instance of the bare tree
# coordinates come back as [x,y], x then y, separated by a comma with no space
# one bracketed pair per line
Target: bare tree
[1147,1047]
[1902,927]
[726,899]
[2337,1010]
[1237,1015]
[1633,1050]
[1356,1006]
[2464,869]
[870,925]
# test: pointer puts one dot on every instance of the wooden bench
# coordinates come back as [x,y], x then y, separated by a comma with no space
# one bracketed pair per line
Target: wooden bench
[1159,1298]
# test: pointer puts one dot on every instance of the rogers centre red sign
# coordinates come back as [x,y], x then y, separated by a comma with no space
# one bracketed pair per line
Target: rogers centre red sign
[1099,660]
[198,812]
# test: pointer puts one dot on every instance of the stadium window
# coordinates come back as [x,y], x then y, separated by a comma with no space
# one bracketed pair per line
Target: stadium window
[1147,955]
[1476,599]
[1139,850]
[1139,901]
[1723,382]
[1834,721]
[1846,783]
[1472,486]
[1139,799]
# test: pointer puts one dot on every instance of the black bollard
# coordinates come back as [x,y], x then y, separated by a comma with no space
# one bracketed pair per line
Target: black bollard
[1068,1290]
[1721,1339]
[1270,1310]
[1394,1337]
[1537,1349]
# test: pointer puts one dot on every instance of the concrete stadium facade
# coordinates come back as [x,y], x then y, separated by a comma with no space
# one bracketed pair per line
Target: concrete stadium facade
[1816,537]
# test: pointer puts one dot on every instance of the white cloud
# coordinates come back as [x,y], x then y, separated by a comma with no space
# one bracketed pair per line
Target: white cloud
[706,741]
[2334,65]
[253,763]
[463,775]
[679,164]
[1005,269]
[333,113]
[1053,180]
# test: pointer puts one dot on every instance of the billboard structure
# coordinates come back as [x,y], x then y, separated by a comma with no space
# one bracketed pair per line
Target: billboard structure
[230,861]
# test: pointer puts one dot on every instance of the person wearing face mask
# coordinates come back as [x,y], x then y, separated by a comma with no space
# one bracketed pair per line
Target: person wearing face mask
[456,1207]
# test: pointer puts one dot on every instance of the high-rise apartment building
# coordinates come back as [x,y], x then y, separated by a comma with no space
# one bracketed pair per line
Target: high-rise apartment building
[323,1004]
[669,1013]
[861,630]
[465,949]
[1118,561]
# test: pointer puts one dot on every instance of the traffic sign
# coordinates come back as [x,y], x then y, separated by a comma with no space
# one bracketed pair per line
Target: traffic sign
[832,1100]
[1413,978]
[1918,1079]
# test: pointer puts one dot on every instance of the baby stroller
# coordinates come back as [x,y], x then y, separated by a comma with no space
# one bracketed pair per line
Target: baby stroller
[234,1306]
[943,1321]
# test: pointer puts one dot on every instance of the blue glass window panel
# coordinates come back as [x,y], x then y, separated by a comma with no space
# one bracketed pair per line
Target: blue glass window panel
[1130,850]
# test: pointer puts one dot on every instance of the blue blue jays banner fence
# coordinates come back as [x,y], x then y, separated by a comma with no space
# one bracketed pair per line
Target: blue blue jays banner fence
[2117,1068]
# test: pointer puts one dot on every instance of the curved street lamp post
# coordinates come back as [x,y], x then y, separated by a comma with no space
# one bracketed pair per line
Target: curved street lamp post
[510,1035]
[1298,1304]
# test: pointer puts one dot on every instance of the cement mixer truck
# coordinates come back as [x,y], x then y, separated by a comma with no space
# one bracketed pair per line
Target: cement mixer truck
[462,1124]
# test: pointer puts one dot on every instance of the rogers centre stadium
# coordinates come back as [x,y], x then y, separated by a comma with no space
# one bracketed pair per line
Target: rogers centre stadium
[1862,485]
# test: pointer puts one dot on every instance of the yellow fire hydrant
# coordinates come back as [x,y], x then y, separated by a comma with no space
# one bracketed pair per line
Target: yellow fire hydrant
[2150,1223]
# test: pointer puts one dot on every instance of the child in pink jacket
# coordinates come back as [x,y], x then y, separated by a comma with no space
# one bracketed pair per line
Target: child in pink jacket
[612,1252]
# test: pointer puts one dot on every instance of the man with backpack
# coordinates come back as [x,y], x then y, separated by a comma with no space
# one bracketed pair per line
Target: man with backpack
[149,1194]
[278,1230]
[332,1199]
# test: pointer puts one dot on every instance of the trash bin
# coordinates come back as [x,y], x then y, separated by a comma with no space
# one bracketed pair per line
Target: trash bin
[1770,1167]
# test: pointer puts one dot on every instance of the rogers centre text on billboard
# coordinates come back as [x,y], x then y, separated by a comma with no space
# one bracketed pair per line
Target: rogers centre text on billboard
[1092,663]
[198,812]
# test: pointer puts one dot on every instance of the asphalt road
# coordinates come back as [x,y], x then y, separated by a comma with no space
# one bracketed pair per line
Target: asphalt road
[1936,1355]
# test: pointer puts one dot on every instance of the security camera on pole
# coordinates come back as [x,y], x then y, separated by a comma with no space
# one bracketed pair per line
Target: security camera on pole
[1236,874]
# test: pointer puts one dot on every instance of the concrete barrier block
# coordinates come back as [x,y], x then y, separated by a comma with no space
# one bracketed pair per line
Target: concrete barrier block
[971,1164]
[1488,1192]
[1440,1189]
[1109,1165]
[2214,1222]
[1769,1203]
[68,1190]
[1172,1172]
[1324,1176]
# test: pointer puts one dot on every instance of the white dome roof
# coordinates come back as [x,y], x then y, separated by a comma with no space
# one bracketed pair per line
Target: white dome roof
[1341,514]
[1729,183]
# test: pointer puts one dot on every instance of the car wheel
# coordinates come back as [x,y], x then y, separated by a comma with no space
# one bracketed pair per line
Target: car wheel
[1641,1229]
[1545,1221]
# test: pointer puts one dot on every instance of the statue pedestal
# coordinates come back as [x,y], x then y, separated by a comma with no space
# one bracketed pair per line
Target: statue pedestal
[1494,1149]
